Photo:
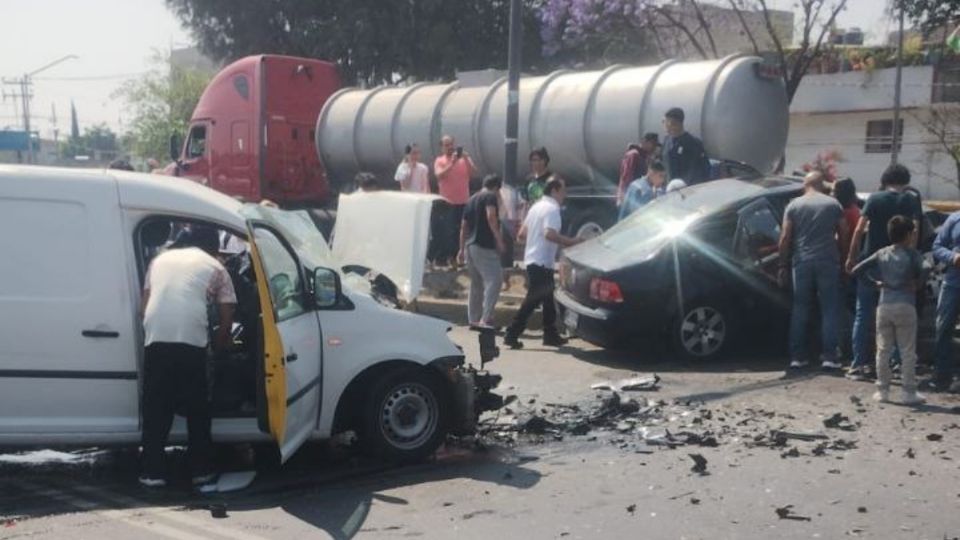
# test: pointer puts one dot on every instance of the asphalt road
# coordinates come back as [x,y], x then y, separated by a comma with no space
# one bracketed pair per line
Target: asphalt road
[606,483]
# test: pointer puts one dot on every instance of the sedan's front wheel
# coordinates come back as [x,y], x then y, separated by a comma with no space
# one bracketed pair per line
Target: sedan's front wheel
[702,331]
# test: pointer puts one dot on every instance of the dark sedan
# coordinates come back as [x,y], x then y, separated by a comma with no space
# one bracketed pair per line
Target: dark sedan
[696,265]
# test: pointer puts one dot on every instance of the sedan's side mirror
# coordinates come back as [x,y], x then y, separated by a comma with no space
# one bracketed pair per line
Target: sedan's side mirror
[326,288]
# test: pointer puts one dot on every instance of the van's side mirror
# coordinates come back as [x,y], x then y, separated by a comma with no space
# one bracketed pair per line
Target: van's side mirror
[326,288]
[175,144]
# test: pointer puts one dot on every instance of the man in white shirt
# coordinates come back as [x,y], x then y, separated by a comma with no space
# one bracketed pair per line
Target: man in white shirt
[179,285]
[541,228]
[412,175]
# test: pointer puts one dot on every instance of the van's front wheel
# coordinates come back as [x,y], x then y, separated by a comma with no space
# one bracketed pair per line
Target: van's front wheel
[406,416]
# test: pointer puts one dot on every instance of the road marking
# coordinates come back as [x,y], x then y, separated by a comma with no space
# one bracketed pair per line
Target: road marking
[170,513]
[125,516]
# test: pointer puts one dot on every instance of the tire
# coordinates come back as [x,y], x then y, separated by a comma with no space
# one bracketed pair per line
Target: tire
[389,431]
[589,224]
[703,331]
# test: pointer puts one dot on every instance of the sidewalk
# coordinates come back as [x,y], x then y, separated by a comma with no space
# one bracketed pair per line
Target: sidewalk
[445,296]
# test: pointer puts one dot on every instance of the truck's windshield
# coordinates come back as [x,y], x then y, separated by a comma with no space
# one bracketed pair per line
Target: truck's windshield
[298,229]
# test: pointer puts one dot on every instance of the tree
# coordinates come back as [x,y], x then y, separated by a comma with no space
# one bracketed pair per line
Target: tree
[162,102]
[371,41]
[686,29]
[596,32]
[942,124]
[96,140]
[74,124]
[930,14]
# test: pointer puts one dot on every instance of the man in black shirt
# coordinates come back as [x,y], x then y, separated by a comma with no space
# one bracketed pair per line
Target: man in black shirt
[481,244]
[892,200]
[683,153]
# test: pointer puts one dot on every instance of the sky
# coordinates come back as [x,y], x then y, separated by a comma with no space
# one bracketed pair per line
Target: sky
[115,40]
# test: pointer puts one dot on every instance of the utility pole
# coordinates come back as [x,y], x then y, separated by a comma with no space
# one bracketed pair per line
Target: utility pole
[22,92]
[895,149]
[514,57]
[26,94]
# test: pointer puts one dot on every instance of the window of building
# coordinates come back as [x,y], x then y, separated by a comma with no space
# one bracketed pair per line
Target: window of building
[880,136]
[946,87]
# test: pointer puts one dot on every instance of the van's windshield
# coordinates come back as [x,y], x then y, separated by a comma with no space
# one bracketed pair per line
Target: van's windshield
[298,229]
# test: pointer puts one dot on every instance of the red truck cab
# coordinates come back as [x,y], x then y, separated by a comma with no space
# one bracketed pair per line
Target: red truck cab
[252,133]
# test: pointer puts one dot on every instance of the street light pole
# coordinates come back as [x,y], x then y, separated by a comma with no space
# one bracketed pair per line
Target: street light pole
[513,94]
[895,149]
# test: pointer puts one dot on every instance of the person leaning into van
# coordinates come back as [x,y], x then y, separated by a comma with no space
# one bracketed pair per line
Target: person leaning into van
[179,285]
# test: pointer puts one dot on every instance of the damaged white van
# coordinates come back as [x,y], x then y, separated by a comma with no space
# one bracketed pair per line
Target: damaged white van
[309,358]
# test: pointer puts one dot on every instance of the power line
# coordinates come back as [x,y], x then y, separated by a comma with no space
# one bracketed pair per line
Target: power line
[93,77]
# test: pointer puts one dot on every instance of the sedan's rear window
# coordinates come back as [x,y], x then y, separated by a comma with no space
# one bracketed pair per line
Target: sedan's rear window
[671,214]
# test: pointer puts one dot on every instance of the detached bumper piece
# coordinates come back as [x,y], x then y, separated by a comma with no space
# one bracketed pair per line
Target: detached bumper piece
[473,396]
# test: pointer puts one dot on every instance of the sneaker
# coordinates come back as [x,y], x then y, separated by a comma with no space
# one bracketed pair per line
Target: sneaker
[913,398]
[512,342]
[858,373]
[152,482]
[798,364]
[204,479]
[831,365]
[882,395]
[554,341]
[935,385]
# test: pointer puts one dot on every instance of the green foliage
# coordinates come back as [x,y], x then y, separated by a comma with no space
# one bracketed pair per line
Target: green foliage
[162,102]
[98,138]
[372,41]
[931,14]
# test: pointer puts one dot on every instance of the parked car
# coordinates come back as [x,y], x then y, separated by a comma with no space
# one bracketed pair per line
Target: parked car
[311,358]
[697,266]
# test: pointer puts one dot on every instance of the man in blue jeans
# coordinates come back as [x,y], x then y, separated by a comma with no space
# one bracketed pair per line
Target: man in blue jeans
[946,250]
[814,235]
[891,200]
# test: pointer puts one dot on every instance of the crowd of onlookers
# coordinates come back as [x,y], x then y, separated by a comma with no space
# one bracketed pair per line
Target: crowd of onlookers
[836,254]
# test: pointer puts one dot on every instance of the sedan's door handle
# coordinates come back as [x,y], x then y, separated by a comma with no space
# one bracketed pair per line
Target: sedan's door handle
[292,357]
[100,334]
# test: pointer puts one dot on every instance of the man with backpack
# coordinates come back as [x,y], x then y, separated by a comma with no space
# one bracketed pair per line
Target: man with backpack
[636,161]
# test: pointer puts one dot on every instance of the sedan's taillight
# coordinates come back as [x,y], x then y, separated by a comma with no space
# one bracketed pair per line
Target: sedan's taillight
[606,291]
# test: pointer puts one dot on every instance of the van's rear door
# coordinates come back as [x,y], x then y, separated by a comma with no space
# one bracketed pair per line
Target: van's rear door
[292,344]
[68,324]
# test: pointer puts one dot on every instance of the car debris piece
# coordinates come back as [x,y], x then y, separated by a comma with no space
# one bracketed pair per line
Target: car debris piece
[862,509]
[910,453]
[792,452]
[934,437]
[699,464]
[694,500]
[537,425]
[786,512]
[648,383]
[632,508]
[856,400]
[839,421]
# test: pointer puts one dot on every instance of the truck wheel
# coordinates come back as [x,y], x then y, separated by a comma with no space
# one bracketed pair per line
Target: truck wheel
[406,416]
[589,224]
[703,331]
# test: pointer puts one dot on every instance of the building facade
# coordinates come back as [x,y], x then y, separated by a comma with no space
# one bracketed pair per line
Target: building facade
[852,113]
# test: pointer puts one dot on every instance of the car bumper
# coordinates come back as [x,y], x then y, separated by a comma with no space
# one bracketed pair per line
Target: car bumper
[600,326]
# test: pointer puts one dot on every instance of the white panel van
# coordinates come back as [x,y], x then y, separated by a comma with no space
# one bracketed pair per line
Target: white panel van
[310,358]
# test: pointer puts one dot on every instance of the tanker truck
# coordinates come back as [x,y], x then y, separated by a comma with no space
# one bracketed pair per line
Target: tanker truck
[281,128]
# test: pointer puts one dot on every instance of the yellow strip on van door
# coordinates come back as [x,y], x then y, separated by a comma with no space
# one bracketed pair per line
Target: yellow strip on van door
[276,382]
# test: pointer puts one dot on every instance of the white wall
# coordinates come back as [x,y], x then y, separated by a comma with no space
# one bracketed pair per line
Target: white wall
[862,90]
[933,172]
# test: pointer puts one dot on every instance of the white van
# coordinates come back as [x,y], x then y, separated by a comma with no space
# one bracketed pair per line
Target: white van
[319,360]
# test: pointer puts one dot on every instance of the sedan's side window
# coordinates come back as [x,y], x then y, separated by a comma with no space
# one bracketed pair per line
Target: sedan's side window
[758,232]
[283,275]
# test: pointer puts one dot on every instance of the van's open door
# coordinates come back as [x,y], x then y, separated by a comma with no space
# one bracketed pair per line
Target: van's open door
[292,363]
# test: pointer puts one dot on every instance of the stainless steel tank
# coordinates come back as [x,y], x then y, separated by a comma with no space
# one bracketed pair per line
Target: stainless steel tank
[584,119]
